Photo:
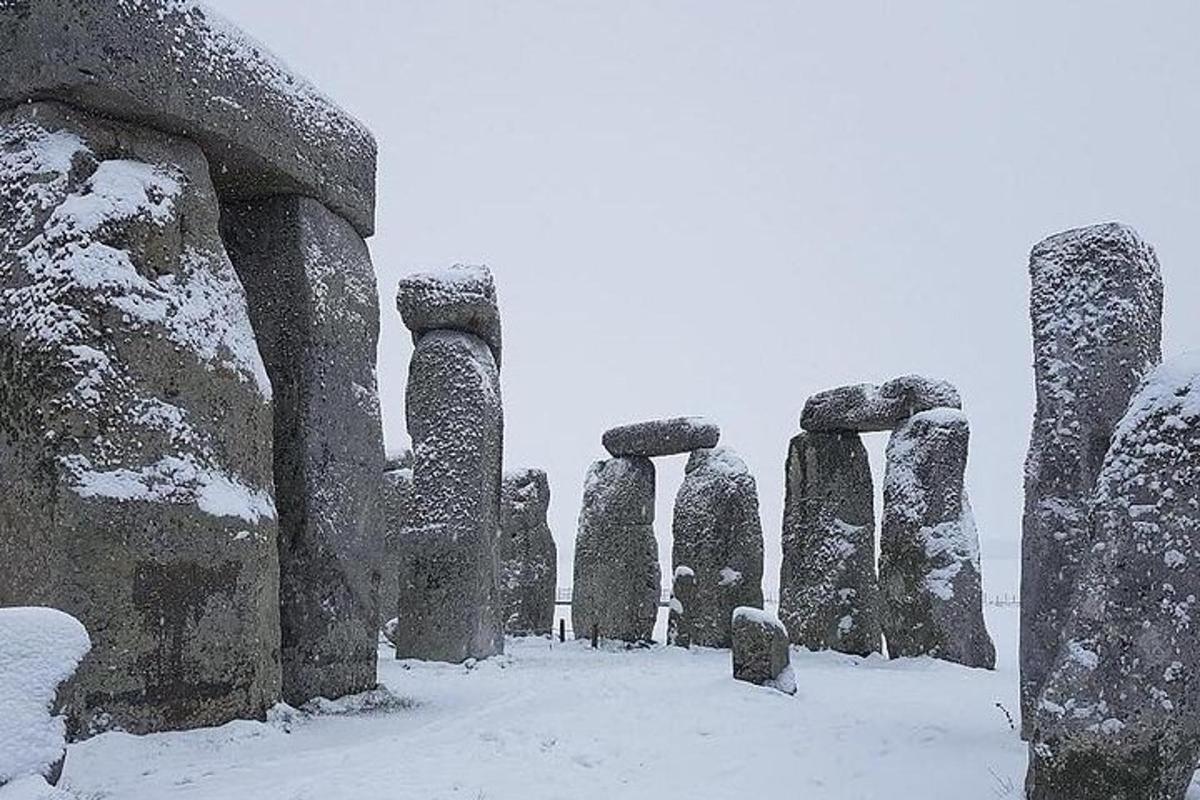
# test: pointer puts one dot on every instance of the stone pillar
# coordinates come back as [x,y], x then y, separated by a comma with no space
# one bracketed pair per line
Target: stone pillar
[315,312]
[136,417]
[449,608]
[617,579]
[828,593]
[717,534]
[528,559]
[929,578]
[398,517]
[1096,308]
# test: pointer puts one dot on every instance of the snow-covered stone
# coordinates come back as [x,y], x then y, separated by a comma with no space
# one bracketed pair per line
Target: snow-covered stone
[397,517]
[617,577]
[1119,712]
[760,650]
[39,649]
[683,587]
[1096,308]
[866,407]
[528,557]
[315,312]
[661,437]
[828,592]
[136,488]
[717,535]
[458,298]
[449,608]
[931,590]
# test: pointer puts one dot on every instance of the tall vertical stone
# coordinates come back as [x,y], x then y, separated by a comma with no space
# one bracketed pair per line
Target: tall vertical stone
[717,534]
[1096,309]
[528,559]
[617,578]
[828,592]
[315,311]
[929,578]
[136,485]
[449,608]
[398,517]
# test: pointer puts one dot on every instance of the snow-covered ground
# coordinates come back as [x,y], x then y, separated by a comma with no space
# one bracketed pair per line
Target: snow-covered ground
[552,721]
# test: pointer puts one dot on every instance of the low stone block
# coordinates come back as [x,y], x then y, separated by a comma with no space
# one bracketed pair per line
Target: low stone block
[760,650]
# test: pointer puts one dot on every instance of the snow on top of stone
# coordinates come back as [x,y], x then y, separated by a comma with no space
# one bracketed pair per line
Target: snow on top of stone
[684,571]
[759,616]
[721,459]
[39,649]
[942,416]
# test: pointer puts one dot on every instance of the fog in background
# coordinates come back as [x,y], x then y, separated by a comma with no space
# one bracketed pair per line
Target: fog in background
[720,208]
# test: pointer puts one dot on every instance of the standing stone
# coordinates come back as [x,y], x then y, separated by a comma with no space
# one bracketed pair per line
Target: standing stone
[866,407]
[449,608]
[1096,307]
[528,558]
[718,536]
[661,437]
[398,516]
[315,312]
[683,590]
[135,425]
[1118,717]
[617,578]
[932,596]
[760,650]
[828,593]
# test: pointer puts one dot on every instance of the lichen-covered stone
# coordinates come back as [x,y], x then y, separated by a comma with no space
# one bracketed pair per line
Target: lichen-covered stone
[617,577]
[136,487]
[661,437]
[828,593]
[717,534]
[179,68]
[398,504]
[448,606]
[760,650]
[930,583]
[1118,716]
[527,555]
[866,407]
[1096,309]
[458,298]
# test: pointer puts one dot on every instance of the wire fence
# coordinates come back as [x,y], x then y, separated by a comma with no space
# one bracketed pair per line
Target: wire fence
[565,594]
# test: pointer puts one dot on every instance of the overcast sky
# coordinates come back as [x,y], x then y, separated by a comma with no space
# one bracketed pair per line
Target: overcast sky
[720,208]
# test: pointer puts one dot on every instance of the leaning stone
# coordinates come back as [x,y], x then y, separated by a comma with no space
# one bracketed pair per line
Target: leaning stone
[828,593]
[661,437]
[315,312]
[760,650]
[398,516]
[718,536]
[528,558]
[448,605]
[135,478]
[617,577]
[1096,308]
[458,298]
[1118,716]
[932,596]
[180,68]
[866,407]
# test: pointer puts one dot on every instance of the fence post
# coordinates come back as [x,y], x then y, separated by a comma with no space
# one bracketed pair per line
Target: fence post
[595,635]
[562,630]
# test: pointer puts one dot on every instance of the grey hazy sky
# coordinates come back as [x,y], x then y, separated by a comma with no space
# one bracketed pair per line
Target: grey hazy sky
[721,208]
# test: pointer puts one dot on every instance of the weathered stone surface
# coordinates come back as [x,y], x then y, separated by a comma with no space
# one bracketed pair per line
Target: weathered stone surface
[930,584]
[617,577]
[179,68]
[661,437]
[828,593]
[448,606]
[717,534]
[1096,308]
[1118,716]
[866,407]
[683,590]
[315,312]
[528,557]
[458,298]
[398,513]
[760,650]
[135,414]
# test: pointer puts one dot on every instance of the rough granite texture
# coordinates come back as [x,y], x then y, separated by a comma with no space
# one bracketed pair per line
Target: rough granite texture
[175,66]
[449,605]
[930,585]
[617,577]
[760,650]
[717,534]
[1118,717]
[458,298]
[866,407]
[1096,309]
[315,312]
[528,559]
[828,592]
[398,505]
[136,488]
[661,437]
